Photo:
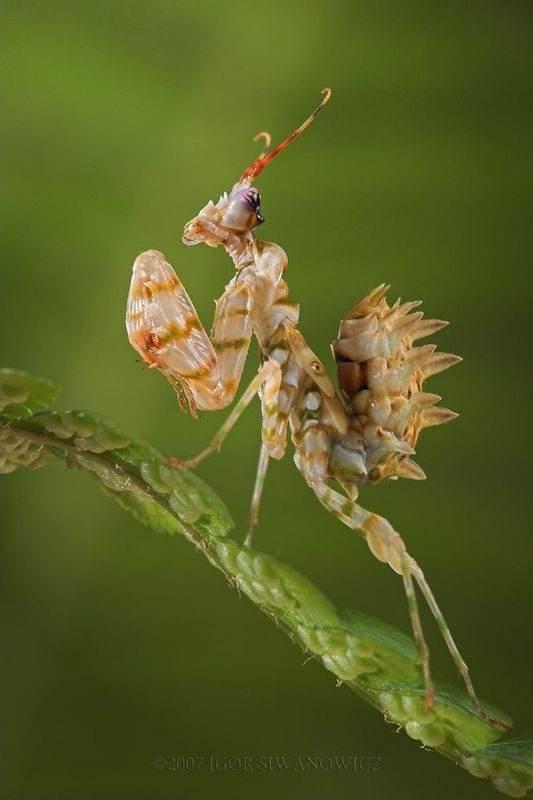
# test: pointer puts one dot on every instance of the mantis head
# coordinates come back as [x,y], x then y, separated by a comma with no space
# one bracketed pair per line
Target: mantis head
[235,214]
[238,213]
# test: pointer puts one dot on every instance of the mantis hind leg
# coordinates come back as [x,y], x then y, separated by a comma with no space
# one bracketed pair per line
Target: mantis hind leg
[387,545]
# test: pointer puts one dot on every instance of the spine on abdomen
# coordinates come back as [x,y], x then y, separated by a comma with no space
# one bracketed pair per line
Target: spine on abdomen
[381,375]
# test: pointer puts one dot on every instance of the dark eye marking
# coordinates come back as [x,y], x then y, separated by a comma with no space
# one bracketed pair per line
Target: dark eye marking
[253,198]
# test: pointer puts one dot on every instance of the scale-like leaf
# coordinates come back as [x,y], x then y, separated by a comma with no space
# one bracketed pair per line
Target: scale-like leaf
[372,658]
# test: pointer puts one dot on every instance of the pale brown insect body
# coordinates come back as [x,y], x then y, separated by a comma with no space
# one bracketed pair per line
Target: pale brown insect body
[364,438]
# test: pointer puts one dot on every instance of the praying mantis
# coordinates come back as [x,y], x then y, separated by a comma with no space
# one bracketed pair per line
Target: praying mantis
[365,435]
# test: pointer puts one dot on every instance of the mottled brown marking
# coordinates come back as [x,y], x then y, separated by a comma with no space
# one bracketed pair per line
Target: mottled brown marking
[237,312]
[231,385]
[175,332]
[151,341]
[147,290]
[220,345]
[351,377]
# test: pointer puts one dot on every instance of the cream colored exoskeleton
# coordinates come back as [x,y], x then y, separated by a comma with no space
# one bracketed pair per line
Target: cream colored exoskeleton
[364,438]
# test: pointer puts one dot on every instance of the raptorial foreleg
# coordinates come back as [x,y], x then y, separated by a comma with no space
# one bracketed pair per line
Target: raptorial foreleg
[165,329]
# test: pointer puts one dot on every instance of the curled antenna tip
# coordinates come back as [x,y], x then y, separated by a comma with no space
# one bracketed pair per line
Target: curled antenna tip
[268,140]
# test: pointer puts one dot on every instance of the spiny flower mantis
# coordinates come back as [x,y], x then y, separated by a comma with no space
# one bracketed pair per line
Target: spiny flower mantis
[363,438]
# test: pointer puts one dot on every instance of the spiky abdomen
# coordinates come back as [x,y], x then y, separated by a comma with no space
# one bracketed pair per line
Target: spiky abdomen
[381,375]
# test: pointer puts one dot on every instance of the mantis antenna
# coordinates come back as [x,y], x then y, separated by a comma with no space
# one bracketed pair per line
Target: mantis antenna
[260,163]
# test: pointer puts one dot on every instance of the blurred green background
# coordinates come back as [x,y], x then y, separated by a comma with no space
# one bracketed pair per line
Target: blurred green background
[121,119]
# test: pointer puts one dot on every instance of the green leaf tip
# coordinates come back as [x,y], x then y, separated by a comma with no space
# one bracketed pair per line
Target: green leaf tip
[21,395]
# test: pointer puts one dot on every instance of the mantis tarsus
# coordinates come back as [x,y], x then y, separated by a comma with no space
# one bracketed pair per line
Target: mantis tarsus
[363,438]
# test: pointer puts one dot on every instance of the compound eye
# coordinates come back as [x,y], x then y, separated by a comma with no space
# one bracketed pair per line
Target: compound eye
[243,211]
[252,197]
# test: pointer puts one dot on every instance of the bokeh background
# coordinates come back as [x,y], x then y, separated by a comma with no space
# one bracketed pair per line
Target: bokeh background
[121,119]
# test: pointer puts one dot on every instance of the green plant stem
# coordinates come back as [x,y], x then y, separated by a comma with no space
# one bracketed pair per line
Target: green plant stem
[373,659]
